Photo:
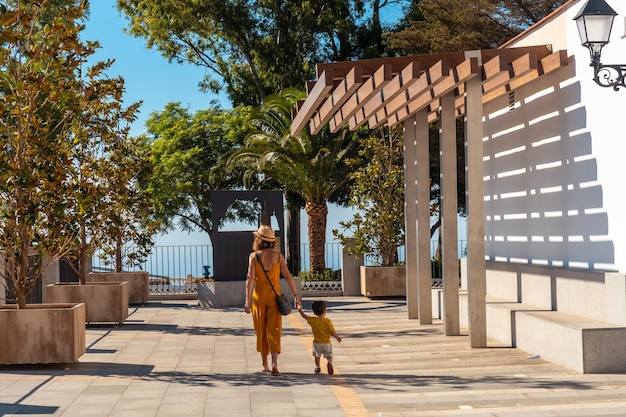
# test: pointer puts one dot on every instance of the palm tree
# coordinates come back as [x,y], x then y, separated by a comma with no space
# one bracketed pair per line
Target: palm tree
[311,166]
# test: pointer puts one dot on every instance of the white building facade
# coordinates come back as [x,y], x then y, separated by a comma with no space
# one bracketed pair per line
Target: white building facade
[555,156]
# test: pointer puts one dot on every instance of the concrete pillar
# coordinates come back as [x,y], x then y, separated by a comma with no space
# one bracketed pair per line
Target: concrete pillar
[424,272]
[410,217]
[350,270]
[449,210]
[477,287]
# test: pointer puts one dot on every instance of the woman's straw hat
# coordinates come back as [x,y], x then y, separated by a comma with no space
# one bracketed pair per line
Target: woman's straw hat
[266,233]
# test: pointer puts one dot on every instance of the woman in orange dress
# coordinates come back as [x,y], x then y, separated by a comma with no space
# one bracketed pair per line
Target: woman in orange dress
[260,298]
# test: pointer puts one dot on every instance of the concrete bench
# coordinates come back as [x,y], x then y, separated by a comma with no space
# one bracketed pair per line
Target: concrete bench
[501,318]
[582,344]
[585,345]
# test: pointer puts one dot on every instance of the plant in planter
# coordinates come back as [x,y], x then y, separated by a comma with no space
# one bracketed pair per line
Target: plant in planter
[110,211]
[121,225]
[40,96]
[377,229]
[41,93]
[378,195]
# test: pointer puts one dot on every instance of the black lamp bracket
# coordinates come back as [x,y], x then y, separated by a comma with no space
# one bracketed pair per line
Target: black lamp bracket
[609,75]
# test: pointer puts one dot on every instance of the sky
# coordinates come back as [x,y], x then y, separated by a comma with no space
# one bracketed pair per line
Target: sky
[148,76]
[151,78]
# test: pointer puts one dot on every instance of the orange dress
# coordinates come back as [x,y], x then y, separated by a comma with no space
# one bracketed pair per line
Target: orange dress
[268,323]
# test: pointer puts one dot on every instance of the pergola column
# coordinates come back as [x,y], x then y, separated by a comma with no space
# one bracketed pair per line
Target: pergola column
[449,212]
[410,217]
[424,272]
[477,287]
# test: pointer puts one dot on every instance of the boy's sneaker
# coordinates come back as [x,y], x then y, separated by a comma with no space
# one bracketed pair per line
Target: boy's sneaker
[330,368]
[317,370]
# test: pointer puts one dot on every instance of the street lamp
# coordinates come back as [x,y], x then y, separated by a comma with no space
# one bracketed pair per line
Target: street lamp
[595,22]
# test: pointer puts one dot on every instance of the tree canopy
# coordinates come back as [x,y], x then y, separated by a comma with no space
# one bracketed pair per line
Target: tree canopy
[312,166]
[65,159]
[187,157]
[432,26]
[257,47]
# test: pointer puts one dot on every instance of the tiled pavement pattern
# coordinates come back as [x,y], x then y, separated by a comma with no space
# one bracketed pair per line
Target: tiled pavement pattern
[175,359]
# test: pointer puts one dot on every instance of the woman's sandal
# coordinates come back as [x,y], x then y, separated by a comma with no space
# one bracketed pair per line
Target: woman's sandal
[275,371]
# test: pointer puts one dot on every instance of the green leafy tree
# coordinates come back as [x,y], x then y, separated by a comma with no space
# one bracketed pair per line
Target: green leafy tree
[260,47]
[39,97]
[187,158]
[312,166]
[109,209]
[432,26]
[378,195]
[131,223]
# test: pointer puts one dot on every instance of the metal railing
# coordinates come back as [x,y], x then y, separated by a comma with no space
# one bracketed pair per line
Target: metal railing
[173,269]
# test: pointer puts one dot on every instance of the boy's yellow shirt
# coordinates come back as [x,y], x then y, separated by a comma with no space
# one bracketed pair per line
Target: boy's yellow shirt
[322,328]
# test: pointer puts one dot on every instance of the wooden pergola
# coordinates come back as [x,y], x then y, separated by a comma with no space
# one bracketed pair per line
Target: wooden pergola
[414,91]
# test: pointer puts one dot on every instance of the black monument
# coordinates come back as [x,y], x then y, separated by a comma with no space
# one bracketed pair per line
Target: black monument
[232,248]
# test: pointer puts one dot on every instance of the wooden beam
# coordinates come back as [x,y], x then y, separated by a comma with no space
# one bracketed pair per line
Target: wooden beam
[370,66]
[340,95]
[397,64]
[512,54]
[432,76]
[526,70]
[317,95]
[554,61]
[399,84]
[497,73]
[369,88]
[380,106]
[463,72]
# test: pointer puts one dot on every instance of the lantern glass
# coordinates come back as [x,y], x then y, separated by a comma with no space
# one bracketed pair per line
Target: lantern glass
[594,29]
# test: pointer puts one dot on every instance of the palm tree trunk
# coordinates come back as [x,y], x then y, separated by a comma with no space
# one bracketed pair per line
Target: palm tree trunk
[317,212]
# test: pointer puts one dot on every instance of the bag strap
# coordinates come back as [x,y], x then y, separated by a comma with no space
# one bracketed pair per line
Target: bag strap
[258,258]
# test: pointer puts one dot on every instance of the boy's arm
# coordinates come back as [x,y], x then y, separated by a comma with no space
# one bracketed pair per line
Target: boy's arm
[304,316]
[336,336]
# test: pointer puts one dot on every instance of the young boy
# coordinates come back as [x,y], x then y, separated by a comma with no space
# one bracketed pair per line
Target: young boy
[322,330]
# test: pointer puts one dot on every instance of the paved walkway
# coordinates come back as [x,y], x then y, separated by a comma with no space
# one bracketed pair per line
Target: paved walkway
[175,359]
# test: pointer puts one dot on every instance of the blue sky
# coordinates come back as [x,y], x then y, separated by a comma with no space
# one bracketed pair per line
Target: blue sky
[148,76]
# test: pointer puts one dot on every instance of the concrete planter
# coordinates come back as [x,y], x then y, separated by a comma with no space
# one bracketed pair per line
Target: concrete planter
[383,281]
[104,301]
[138,283]
[221,294]
[42,333]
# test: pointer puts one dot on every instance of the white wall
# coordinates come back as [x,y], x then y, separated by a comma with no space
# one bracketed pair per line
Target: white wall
[555,161]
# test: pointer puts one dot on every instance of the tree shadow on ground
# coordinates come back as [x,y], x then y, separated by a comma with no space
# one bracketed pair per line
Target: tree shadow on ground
[390,382]
[26,409]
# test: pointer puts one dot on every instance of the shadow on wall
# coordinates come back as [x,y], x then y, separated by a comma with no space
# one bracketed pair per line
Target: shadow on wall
[543,204]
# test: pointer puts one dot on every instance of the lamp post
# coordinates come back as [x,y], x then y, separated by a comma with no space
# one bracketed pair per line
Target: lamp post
[595,22]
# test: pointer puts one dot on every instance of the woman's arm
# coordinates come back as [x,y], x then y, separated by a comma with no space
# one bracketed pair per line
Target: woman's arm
[250,281]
